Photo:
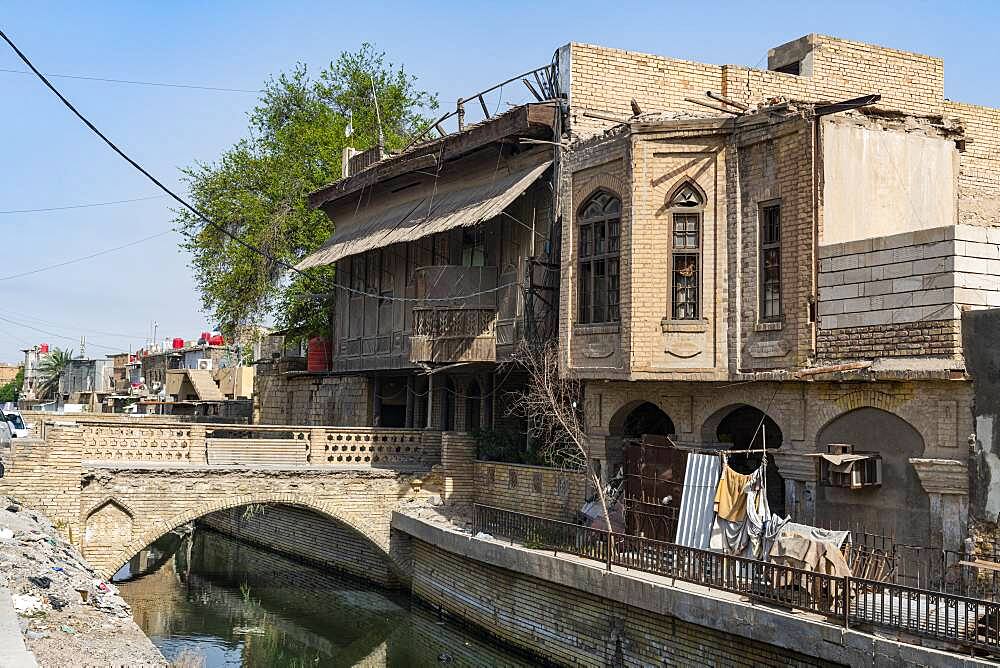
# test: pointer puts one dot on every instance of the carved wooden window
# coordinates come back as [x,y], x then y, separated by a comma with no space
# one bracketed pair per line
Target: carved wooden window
[599,238]
[770,263]
[685,261]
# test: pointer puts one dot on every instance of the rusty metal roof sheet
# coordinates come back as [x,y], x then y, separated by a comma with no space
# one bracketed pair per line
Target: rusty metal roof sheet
[376,227]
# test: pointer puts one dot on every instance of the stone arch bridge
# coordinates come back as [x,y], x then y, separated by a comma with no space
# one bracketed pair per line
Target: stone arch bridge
[114,486]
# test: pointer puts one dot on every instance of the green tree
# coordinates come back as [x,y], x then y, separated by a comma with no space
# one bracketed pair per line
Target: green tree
[257,189]
[12,390]
[50,368]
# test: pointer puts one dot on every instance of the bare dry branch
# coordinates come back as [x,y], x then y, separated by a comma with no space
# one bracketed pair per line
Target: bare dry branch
[553,407]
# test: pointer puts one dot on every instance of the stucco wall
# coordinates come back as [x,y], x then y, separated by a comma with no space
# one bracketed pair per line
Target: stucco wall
[878,182]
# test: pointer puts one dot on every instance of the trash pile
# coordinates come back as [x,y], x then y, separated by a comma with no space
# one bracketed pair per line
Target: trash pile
[68,615]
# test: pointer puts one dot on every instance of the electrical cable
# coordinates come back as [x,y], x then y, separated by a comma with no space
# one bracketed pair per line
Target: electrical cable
[81,206]
[85,257]
[134,82]
[203,217]
[59,336]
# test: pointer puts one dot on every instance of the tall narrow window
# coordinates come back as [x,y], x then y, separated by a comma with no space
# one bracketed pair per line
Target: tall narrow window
[770,263]
[685,261]
[473,247]
[686,256]
[599,235]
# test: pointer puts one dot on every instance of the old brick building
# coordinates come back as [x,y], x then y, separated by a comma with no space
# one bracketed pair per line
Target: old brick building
[759,263]
[792,262]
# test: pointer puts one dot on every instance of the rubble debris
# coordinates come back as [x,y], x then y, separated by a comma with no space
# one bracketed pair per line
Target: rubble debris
[68,615]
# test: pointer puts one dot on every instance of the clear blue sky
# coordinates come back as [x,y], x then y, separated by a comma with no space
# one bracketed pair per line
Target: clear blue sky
[49,159]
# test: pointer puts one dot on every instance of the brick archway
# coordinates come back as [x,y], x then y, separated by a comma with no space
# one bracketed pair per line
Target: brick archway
[330,510]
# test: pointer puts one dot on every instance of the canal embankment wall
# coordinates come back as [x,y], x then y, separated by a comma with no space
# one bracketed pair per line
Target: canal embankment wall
[574,612]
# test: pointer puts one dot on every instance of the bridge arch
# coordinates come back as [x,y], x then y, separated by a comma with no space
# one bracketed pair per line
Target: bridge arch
[333,511]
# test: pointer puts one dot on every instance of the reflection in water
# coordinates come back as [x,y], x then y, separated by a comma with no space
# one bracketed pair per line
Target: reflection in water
[232,604]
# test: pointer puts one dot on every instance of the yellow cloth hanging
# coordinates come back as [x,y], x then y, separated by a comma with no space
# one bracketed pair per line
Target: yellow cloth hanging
[731,495]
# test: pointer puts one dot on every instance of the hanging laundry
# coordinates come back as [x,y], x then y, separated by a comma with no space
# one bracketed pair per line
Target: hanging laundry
[808,554]
[838,538]
[731,496]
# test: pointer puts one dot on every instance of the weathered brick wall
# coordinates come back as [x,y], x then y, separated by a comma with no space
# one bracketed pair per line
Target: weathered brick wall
[979,176]
[306,535]
[939,410]
[458,459]
[573,627]
[47,479]
[535,490]
[903,294]
[775,164]
[300,398]
[604,80]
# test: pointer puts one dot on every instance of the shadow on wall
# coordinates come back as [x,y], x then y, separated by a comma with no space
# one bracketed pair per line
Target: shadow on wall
[899,504]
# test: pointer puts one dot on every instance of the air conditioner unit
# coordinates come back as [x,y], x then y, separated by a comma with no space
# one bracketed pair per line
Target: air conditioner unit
[205,365]
[842,466]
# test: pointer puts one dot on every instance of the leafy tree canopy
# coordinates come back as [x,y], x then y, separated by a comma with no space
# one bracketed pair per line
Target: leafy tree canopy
[12,390]
[50,368]
[257,189]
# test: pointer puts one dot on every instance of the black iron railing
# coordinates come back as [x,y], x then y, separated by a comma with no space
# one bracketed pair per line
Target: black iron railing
[942,616]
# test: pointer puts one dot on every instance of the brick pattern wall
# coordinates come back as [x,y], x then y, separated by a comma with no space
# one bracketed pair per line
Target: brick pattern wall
[979,175]
[535,490]
[312,399]
[573,627]
[904,292]
[931,337]
[47,479]
[306,535]
[605,80]
[458,458]
[774,168]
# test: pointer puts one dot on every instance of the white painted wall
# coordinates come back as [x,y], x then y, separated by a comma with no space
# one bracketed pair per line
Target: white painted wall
[882,182]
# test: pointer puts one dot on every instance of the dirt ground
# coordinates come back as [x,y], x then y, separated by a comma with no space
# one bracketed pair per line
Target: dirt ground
[68,615]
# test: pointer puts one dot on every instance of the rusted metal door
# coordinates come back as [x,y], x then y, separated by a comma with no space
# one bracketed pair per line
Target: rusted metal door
[654,478]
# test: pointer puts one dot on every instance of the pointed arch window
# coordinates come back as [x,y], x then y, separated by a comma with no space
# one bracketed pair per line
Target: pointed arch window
[599,234]
[686,205]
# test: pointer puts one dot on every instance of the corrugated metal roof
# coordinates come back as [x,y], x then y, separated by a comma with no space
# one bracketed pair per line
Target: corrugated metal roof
[701,479]
[376,227]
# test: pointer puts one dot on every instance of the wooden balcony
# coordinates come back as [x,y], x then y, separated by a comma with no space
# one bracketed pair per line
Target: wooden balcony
[458,322]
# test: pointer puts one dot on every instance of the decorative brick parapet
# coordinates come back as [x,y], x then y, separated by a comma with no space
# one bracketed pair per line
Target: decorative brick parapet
[536,490]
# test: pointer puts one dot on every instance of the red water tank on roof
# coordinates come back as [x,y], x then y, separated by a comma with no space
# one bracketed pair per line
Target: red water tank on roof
[205,336]
[318,355]
[44,348]
[178,343]
[216,340]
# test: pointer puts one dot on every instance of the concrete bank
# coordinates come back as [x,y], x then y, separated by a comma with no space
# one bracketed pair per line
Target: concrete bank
[54,609]
[574,612]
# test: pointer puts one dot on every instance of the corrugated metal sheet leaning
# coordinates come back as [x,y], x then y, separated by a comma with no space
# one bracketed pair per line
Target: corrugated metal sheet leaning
[701,479]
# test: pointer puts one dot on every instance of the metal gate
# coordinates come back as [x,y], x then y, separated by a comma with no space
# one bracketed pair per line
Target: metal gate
[654,479]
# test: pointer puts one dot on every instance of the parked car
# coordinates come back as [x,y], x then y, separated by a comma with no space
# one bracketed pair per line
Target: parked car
[18,429]
[6,443]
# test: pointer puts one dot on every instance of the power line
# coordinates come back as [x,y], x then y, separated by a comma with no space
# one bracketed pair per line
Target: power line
[59,336]
[85,257]
[203,217]
[85,330]
[138,83]
[82,206]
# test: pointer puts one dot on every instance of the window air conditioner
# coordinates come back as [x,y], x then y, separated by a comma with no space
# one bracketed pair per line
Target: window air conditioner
[205,365]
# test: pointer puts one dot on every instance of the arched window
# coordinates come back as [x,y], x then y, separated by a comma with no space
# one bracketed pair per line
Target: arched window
[686,206]
[599,223]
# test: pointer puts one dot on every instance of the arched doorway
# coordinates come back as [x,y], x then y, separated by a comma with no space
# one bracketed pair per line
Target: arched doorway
[899,505]
[652,470]
[745,427]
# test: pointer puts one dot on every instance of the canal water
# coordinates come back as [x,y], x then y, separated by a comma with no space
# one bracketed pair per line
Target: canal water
[208,600]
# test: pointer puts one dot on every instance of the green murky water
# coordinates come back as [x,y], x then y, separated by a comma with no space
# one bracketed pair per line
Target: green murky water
[210,600]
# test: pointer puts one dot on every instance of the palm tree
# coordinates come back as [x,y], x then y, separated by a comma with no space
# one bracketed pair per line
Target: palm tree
[50,369]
